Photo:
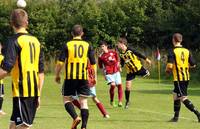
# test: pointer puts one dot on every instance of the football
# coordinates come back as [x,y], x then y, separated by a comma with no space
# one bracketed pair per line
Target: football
[21,3]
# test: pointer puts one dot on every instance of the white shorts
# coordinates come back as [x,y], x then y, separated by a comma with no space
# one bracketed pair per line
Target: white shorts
[116,78]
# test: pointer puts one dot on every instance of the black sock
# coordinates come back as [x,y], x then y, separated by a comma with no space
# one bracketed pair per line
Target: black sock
[70,109]
[190,106]
[177,107]
[127,94]
[1,102]
[84,116]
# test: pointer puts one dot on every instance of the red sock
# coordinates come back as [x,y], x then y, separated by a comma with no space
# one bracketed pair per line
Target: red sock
[112,92]
[76,103]
[120,92]
[101,108]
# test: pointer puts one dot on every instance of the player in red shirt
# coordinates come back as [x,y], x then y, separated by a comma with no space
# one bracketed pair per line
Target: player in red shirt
[109,62]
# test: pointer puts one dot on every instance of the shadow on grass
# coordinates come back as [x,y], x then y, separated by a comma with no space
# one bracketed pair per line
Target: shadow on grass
[191,92]
[127,120]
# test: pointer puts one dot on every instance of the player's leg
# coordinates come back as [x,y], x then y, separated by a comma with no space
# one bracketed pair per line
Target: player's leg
[76,102]
[186,101]
[111,81]
[127,93]
[190,106]
[112,93]
[12,125]
[22,127]
[84,111]
[69,107]
[177,107]
[177,92]
[84,92]
[97,102]
[120,89]
[129,78]
[69,90]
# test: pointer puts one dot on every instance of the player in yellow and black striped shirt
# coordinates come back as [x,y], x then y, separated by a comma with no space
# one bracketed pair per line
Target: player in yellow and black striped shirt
[23,59]
[74,56]
[179,62]
[130,58]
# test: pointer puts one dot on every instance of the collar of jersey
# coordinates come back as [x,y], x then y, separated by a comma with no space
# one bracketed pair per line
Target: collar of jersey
[78,37]
[178,46]
[22,30]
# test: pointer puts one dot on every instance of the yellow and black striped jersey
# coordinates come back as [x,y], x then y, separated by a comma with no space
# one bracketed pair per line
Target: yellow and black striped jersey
[24,59]
[75,54]
[131,61]
[180,60]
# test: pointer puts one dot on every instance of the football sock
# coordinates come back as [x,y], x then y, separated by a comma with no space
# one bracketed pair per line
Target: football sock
[127,94]
[70,109]
[190,106]
[84,116]
[120,93]
[1,102]
[76,103]
[177,107]
[101,108]
[112,92]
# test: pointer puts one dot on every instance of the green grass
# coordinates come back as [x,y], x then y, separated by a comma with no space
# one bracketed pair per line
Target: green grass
[151,107]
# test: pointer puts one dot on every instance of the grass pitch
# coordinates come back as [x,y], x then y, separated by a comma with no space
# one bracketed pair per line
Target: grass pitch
[151,107]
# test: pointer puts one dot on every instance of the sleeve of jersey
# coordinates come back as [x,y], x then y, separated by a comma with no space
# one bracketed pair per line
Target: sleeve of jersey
[139,54]
[91,55]
[122,62]
[63,55]
[41,61]
[170,59]
[10,55]
[191,60]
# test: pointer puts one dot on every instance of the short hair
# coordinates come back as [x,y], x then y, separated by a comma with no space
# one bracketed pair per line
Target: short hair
[103,42]
[178,37]
[77,30]
[123,41]
[19,18]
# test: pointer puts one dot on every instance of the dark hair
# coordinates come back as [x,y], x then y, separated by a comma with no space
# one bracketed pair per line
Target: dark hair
[177,37]
[103,43]
[19,18]
[123,41]
[77,30]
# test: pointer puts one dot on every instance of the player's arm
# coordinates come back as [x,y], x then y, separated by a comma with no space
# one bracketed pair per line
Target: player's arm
[138,54]
[60,64]
[192,61]
[41,70]
[170,62]
[10,56]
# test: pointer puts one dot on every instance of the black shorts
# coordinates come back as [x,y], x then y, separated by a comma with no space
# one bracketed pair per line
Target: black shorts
[142,72]
[75,87]
[1,90]
[24,110]
[181,88]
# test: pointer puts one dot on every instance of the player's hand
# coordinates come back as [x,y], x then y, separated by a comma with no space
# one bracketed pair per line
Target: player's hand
[38,103]
[148,61]
[194,66]
[57,79]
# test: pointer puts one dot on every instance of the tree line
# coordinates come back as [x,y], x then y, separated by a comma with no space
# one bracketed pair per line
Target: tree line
[146,23]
